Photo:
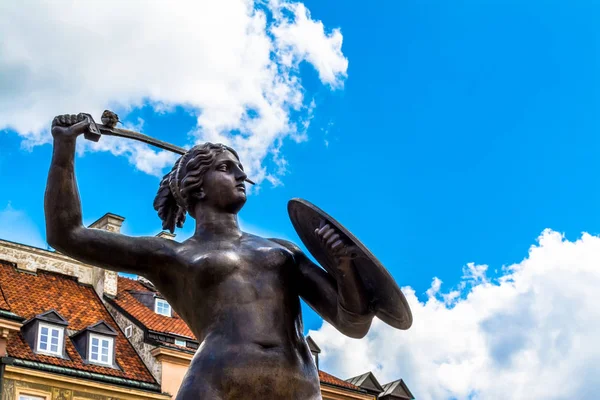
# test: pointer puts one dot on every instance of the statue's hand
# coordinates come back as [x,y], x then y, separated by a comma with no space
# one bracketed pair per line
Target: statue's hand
[71,126]
[330,238]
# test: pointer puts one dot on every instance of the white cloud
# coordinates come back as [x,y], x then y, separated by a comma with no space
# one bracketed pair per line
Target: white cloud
[530,334]
[16,226]
[225,61]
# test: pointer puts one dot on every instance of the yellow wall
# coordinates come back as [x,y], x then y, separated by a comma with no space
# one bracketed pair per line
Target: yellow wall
[335,393]
[172,376]
[18,380]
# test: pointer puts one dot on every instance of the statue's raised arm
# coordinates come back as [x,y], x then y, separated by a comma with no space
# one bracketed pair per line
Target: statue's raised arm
[64,224]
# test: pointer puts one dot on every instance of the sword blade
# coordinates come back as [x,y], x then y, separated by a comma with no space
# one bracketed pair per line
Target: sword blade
[128,134]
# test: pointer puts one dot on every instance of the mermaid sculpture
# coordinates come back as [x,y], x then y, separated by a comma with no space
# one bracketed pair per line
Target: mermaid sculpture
[239,293]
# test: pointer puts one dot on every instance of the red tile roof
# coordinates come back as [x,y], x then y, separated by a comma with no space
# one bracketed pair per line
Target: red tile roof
[28,295]
[332,380]
[3,304]
[146,316]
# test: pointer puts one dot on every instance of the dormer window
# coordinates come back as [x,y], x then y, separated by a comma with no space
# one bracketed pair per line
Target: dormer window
[50,339]
[162,307]
[96,344]
[45,334]
[101,349]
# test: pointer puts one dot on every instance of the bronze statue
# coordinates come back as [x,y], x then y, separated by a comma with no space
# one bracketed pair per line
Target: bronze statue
[239,293]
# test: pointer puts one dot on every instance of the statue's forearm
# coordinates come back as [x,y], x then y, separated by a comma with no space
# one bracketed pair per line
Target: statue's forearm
[353,304]
[62,205]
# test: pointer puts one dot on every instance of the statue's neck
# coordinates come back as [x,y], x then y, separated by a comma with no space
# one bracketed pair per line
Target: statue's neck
[211,223]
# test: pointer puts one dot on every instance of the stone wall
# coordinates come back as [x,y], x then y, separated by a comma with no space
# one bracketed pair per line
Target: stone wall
[32,259]
[143,349]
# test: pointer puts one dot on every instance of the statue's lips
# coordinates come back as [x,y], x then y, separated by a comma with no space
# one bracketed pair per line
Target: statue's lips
[241,187]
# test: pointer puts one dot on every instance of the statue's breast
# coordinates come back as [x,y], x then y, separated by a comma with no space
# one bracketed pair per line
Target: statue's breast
[247,264]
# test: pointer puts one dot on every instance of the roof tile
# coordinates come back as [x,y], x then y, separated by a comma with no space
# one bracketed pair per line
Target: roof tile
[31,294]
[332,380]
[159,323]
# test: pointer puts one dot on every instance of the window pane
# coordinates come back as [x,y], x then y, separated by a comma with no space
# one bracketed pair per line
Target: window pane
[162,307]
[94,341]
[94,355]
[44,331]
[43,345]
[104,359]
[55,333]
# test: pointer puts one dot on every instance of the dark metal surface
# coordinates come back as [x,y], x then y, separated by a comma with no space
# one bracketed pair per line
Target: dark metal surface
[239,293]
[385,297]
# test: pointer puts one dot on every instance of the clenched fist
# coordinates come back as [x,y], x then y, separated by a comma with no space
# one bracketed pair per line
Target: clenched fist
[69,125]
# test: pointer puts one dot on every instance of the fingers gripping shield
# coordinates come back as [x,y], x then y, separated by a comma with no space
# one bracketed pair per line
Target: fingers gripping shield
[385,297]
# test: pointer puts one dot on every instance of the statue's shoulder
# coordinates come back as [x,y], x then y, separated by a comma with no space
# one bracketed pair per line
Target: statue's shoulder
[288,245]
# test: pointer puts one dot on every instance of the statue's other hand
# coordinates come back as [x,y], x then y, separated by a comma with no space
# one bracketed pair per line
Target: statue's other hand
[69,125]
[331,239]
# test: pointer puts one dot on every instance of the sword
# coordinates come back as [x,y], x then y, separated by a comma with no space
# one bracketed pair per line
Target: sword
[96,130]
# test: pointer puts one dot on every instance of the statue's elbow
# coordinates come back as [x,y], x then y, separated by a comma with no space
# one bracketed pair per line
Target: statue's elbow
[60,240]
[355,326]
[357,332]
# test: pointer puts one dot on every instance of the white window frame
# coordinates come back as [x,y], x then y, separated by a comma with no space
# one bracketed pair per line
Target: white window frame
[128,331]
[180,342]
[111,345]
[158,301]
[61,336]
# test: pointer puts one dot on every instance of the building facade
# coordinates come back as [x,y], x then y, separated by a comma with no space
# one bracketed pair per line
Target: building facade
[58,340]
[395,390]
[70,331]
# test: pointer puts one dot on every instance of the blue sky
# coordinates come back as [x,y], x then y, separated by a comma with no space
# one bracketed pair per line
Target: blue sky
[461,132]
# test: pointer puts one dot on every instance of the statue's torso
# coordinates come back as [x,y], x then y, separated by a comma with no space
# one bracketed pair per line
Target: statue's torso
[241,300]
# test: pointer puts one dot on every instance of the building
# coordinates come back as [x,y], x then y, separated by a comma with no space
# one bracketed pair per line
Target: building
[143,346]
[395,390]
[57,339]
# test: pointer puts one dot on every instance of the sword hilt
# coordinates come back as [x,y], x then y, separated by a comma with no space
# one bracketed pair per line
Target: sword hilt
[93,132]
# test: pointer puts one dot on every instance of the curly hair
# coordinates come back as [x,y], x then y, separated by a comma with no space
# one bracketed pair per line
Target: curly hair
[173,199]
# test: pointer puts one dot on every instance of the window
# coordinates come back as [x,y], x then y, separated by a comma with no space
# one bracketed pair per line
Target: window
[162,307]
[128,331]
[50,339]
[180,342]
[28,397]
[101,349]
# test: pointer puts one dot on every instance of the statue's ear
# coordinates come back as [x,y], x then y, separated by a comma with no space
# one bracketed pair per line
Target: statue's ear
[199,195]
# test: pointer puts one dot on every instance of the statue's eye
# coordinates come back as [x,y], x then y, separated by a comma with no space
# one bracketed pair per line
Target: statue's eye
[223,167]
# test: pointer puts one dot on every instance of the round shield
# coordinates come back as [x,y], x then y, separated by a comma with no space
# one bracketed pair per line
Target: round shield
[386,298]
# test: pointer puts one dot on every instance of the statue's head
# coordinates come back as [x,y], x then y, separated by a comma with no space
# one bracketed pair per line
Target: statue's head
[208,175]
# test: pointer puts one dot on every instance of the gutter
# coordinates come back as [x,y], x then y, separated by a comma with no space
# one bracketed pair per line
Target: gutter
[11,315]
[79,374]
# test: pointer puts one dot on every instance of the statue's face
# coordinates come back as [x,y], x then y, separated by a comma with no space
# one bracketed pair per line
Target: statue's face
[223,185]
